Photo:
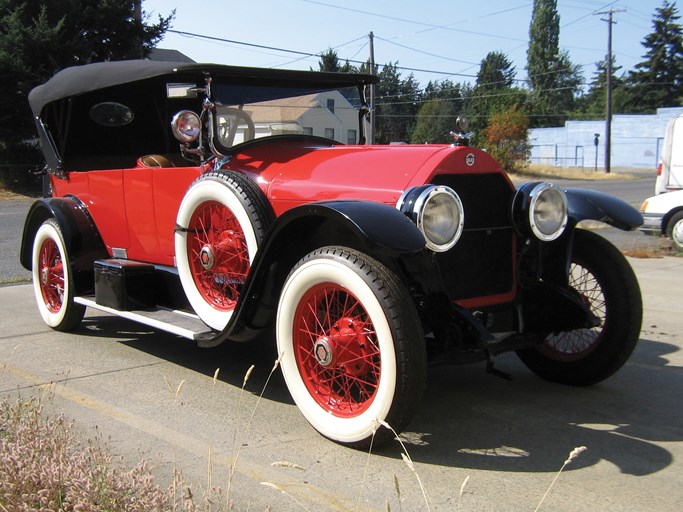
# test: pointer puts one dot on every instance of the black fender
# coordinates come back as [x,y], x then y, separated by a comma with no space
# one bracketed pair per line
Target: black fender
[82,240]
[376,229]
[595,205]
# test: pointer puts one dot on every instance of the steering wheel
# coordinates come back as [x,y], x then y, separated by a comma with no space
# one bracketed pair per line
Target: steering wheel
[228,120]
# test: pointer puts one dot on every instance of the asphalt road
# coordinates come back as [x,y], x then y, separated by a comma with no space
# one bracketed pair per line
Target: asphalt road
[118,380]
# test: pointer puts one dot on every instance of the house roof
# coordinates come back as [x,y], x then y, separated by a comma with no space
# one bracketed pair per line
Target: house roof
[282,110]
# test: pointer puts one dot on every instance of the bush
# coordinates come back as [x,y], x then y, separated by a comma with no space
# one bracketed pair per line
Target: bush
[507,138]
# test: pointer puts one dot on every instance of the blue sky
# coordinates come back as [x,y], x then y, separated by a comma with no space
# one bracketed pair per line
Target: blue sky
[445,38]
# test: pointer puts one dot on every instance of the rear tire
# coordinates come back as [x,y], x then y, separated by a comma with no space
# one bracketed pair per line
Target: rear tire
[606,282]
[52,279]
[352,346]
[224,218]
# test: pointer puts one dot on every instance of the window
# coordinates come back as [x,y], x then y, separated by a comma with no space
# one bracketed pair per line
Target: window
[308,130]
[330,105]
[329,133]
[351,137]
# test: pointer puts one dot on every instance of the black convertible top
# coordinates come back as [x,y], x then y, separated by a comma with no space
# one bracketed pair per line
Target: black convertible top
[93,77]
[70,140]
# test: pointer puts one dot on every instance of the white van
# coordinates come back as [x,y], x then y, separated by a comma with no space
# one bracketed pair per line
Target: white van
[670,169]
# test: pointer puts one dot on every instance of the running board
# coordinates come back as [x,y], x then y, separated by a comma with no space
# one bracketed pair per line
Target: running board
[176,322]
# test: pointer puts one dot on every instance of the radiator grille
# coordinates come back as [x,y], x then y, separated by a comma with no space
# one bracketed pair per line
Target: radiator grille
[482,261]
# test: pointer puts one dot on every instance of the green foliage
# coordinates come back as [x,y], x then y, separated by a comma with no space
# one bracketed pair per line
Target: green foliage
[397,104]
[506,138]
[442,103]
[329,61]
[658,80]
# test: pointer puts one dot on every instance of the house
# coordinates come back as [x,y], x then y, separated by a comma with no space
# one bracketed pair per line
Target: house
[326,114]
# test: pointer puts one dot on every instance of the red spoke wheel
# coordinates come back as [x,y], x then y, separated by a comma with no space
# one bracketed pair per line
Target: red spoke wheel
[222,220]
[605,281]
[52,282]
[352,346]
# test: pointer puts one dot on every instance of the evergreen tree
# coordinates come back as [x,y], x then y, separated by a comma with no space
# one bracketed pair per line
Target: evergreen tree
[553,79]
[496,71]
[397,103]
[329,61]
[592,104]
[493,93]
[658,80]
[442,103]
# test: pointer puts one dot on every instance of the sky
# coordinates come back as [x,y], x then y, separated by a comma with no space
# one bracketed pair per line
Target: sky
[432,39]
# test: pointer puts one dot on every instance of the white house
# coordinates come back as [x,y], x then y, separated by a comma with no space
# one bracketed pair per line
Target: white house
[326,114]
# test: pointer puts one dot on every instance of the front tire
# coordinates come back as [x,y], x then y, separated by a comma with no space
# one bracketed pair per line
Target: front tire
[52,279]
[222,220]
[352,346]
[606,282]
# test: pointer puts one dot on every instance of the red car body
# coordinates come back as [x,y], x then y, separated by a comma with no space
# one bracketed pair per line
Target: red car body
[367,261]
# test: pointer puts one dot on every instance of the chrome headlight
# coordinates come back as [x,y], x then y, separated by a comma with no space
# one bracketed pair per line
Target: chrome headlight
[438,213]
[547,211]
[186,126]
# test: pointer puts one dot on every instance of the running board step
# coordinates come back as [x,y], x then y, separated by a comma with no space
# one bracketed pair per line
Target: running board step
[176,322]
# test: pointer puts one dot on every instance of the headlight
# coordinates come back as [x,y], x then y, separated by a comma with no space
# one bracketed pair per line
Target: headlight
[547,211]
[186,126]
[438,213]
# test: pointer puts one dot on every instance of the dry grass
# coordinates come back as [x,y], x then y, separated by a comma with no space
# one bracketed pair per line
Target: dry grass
[533,171]
[43,468]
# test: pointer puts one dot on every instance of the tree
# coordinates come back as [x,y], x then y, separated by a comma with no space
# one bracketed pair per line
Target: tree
[495,71]
[329,61]
[592,104]
[553,79]
[493,93]
[397,103]
[507,138]
[442,103]
[658,80]
[40,37]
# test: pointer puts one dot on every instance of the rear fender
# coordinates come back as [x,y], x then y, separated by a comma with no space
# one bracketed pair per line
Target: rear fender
[82,240]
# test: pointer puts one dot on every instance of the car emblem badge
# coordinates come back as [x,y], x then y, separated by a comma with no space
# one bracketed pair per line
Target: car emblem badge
[469,159]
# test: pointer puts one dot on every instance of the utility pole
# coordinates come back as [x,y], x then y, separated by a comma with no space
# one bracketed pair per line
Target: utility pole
[608,95]
[371,138]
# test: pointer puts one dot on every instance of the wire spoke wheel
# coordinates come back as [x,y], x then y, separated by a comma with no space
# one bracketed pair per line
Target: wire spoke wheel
[52,281]
[351,344]
[575,344]
[336,350]
[222,219]
[605,282]
[218,254]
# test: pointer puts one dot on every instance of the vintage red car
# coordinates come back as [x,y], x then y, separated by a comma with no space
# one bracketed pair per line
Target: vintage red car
[225,203]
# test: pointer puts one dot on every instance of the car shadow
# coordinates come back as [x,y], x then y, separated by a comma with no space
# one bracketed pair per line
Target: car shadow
[471,419]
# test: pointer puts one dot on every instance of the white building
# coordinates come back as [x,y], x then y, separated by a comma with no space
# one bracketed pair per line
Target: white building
[326,114]
[636,141]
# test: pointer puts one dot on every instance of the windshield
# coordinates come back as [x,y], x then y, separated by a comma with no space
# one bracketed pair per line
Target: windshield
[267,111]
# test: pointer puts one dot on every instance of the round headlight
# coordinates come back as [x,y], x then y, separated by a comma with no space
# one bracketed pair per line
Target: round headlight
[186,126]
[547,212]
[438,213]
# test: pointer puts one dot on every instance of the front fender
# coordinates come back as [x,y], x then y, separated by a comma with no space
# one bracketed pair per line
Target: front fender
[594,205]
[82,240]
[376,229]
